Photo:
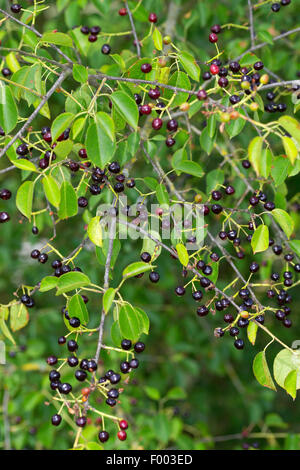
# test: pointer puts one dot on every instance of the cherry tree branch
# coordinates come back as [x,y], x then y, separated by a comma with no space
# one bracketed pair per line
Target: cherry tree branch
[50,92]
[137,43]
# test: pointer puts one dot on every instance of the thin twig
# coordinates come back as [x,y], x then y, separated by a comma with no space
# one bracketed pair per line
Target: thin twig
[56,85]
[137,43]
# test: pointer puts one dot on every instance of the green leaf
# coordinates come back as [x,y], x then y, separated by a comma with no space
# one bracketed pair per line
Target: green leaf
[162,194]
[183,255]
[5,331]
[284,363]
[71,281]
[107,124]
[68,201]
[152,393]
[280,169]
[77,308]
[52,190]
[292,126]
[261,371]
[48,283]
[136,268]
[63,149]
[189,167]
[254,153]
[213,179]
[190,66]
[8,109]
[100,148]
[176,393]
[260,239]
[295,245]
[80,73]
[60,124]
[252,332]
[18,316]
[60,39]
[108,299]
[265,163]
[290,384]
[150,246]
[129,322]
[284,220]
[126,107]
[179,80]
[24,198]
[157,39]
[144,320]
[290,149]
[94,231]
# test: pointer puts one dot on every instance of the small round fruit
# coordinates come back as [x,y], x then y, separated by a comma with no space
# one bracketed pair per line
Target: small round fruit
[56,420]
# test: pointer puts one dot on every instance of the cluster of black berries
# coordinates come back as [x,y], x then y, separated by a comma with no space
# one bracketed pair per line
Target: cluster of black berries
[27,300]
[275,7]
[91,32]
[81,374]
[5,194]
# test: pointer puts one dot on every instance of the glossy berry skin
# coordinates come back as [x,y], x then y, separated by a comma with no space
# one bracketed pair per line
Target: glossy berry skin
[153,18]
[123,424]
[254,267]
[202,311]
[6,72]
[275,7]
[80,375]
[92,365]
[172,125]
[113,393]
[56,420]
[82,201]
[4,217]
[65,388]
[170,142]
[61,340]
[216,208]
[214,69]
[124,367]
[139,347]
[95,29]
[157,124]
[115,378]
[180,290]
[119,187]
[81,421]
[82,153]
[84,29]
[93,38]
[114,167]
[16,8]
[106,49]
[43,258]
[72,345]
[197,295]
[122,12]
[51,360]
[239,344]
[201,95]
[153,93]
[146,68]
[103,436]
[146,257]
[5,194]
[154,276]
[213,38]
[126,344]
[122,435]
[72,361]
[223,82]
[134,363]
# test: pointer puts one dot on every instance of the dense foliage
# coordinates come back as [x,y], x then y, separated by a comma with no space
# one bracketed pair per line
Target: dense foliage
[171,126]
